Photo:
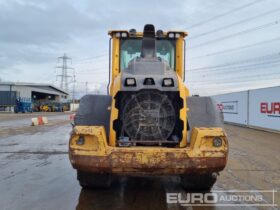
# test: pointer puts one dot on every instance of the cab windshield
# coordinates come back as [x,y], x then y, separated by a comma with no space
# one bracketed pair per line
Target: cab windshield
[131,48]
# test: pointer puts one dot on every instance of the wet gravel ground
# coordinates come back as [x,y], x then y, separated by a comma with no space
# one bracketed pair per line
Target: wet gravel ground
[35,172]
[10,121]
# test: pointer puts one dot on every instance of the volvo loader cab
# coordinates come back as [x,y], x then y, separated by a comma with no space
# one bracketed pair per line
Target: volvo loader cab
[148,124]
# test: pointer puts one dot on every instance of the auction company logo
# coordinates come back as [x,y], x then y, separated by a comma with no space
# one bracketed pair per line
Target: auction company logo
[223,198]
[230,107]
[220,107]
[272,109]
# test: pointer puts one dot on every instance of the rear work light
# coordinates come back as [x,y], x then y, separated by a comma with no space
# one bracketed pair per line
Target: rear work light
[173,35]
[124,35]
[121,34]
[168,82]
[131,82]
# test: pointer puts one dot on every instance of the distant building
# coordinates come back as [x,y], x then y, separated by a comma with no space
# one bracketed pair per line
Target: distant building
[33,92]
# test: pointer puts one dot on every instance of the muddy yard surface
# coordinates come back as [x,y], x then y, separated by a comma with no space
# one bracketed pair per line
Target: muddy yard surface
[35,172]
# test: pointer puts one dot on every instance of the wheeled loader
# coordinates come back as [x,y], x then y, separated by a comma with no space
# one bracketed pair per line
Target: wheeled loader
[148,124]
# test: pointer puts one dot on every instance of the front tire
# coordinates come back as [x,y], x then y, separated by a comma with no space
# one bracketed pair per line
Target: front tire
[90,180]
[203,182]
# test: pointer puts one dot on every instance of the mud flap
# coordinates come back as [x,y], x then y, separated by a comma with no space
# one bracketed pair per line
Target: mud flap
[94,110]
[203,112]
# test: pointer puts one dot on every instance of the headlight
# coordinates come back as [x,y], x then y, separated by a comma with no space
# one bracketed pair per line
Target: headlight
[124,34]
[171,35]
[130,82]
[168,82]
[177,35]
[118,35]
[217,142]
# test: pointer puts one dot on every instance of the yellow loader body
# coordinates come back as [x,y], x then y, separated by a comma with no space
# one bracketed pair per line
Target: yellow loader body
[148,124]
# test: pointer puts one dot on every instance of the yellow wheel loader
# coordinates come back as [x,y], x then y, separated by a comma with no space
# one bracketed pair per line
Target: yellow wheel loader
[148,124]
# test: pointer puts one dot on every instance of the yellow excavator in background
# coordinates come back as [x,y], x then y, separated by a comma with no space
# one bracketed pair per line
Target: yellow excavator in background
[44,108]
[148,124]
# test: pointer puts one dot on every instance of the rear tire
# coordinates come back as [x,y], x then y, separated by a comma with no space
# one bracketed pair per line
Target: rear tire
[203,182]
[203,112]
[90,180]
[94,111]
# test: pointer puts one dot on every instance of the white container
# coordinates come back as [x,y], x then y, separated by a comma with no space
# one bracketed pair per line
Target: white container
[264,108]
[258,108]
[234,106]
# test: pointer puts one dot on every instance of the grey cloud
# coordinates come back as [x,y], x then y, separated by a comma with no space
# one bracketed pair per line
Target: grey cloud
[29,24]
[34,33]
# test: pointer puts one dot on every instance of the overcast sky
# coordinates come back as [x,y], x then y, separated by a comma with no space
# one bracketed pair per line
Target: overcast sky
[232,45]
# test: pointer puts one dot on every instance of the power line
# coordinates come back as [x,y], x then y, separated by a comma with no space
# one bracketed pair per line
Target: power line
[268,63]
[96,67]
[239,69]
[224,14]
[237,48]
[90,71]
[91,58]
[219,79]
[234,83]
[234,24]
[216,87]
[237,78]
[215,91]
[89,62]
[235,68]
[259,58]
[237,34]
